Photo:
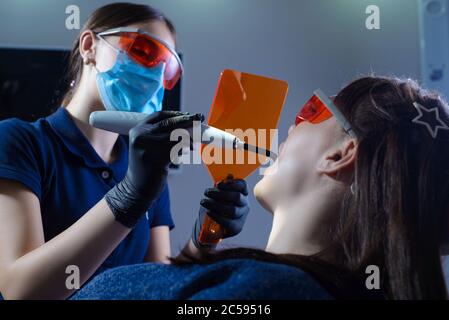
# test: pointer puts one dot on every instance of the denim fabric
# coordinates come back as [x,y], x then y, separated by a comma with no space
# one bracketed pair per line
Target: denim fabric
[227,279]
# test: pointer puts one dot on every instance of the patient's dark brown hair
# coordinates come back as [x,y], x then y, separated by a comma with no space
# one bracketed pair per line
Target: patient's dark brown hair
[397,215]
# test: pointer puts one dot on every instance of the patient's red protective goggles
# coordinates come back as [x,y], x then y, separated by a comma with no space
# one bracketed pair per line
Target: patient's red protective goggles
[320,108]
[149,51]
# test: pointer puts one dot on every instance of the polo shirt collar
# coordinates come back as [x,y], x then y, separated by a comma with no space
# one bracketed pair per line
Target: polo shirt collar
[65,128]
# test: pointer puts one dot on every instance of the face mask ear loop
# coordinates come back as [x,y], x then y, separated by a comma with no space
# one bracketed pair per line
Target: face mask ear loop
[110,46]
[106,42]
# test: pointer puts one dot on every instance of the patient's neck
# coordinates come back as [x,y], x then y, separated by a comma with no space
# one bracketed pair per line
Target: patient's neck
[301,225]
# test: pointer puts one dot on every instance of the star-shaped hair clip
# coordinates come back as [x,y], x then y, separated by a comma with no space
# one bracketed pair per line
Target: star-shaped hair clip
[430,118]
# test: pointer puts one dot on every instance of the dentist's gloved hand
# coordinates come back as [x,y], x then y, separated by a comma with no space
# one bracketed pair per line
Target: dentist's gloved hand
[226,204]
[149,157]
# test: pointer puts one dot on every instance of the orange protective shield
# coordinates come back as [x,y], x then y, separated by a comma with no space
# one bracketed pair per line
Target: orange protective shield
[249,106]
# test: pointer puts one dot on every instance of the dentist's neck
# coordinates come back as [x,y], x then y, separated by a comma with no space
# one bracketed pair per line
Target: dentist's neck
[80,107]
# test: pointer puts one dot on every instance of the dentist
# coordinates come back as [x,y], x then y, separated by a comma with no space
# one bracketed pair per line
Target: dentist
[73,197]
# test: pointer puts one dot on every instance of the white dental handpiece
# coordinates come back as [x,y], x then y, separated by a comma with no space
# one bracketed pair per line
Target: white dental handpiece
[122,121]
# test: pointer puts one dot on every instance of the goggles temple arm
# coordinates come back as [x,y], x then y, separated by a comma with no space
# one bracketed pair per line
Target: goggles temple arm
[335,112]
[107,42]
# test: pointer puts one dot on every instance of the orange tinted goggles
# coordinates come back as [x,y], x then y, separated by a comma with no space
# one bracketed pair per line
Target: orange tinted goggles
[314,111]
[320,108]
[149,51]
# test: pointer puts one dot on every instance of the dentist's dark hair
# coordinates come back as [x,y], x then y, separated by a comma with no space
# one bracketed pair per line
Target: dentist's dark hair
[111,16]
[396,216]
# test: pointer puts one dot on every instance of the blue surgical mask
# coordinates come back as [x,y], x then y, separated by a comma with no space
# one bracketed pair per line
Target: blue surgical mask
[129,86]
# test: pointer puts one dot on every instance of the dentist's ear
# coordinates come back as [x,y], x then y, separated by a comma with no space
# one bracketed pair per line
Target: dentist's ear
[87,47]
[339,162]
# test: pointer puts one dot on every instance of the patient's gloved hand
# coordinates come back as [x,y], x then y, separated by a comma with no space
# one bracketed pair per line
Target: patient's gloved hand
[226,204]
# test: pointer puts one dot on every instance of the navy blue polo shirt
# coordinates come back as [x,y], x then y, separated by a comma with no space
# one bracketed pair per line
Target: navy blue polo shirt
[56,162]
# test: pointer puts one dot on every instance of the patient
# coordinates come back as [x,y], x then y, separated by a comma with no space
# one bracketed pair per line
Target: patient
[361,181]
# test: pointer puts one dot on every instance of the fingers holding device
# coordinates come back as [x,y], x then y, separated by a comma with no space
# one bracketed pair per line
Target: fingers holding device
[227,204]
[122,121]
[149,156]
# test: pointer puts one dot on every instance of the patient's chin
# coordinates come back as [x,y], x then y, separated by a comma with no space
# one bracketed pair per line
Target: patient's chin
[261,193]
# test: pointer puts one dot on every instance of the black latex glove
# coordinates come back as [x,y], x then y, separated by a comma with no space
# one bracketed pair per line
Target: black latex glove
[149,157]
[227,204]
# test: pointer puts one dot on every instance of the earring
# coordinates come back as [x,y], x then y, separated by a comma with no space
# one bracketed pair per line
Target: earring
[87,60]
[352,188]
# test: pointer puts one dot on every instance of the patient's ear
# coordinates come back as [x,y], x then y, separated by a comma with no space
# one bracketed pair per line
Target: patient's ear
[338,163]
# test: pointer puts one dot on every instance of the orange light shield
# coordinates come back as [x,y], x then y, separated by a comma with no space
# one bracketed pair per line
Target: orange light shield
[248,106]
